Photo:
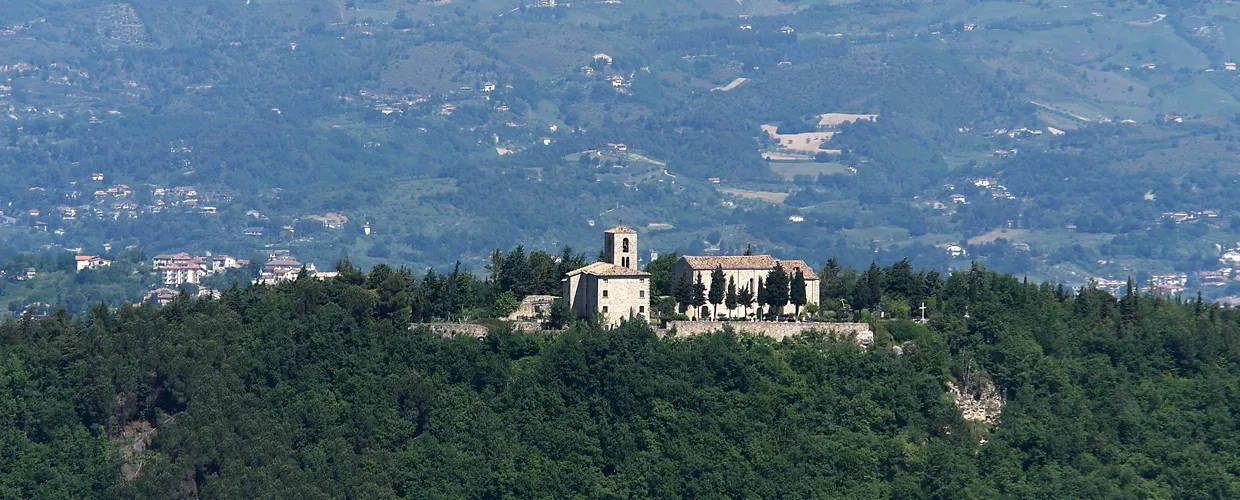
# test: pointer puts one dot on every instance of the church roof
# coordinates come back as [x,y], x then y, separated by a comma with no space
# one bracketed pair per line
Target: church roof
[607,269]
[730,262]
[791,266]
[621,230]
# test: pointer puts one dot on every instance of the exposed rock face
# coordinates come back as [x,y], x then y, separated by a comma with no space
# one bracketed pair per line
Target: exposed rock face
[978,402]
[134,440]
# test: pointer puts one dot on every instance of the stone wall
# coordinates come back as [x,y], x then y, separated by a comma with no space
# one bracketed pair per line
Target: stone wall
[475,330]
[454,329]
[528,326]
[860,332]
[627,297]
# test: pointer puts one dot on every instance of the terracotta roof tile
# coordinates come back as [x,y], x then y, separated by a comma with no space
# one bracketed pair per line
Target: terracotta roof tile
[621,230]
[702,263]
[730,262]
[607,269]
[790,267]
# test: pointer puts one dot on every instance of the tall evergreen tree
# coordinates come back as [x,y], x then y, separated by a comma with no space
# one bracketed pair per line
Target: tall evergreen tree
[699,294]
[348,273]
[777,289]
[932,284]
[899,280]
[731,299]
[661,281]
[683,291]
[870,287]
[745,298]
[515,274]
[761,296]
[718,290]
[496,266]
[570,261]
[796,291]
[544,273]
[827,279]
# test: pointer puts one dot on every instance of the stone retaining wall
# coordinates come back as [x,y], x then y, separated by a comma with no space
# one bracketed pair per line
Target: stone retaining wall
[454,329]
[475,330]
[860,332]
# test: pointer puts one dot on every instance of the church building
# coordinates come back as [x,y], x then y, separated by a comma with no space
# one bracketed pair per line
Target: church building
[613,288]
[746,271]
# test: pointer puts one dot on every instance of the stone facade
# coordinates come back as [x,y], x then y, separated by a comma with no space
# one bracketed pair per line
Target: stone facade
[746,271]
[859,332]
[614,288]
[533,306]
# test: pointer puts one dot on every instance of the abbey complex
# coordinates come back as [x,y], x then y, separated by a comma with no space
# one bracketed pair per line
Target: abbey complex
[615,289]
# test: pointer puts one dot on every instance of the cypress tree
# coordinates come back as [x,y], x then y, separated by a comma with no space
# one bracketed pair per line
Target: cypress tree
[777,289]
[718,289]
[745,298]
[683,291]
[699,294]
[731,299]
[826,279]
[796,292]
[761,295]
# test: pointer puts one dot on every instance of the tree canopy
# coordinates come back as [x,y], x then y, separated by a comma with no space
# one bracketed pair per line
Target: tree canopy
[318,389]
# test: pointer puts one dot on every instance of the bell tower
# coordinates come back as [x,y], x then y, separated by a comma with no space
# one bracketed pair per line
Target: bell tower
[620,247]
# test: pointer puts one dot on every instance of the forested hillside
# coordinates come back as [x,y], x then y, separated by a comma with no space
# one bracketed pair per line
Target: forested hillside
[319,389]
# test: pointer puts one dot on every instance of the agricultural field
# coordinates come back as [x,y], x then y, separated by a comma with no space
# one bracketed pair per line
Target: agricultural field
[767,196]
[806,142]
[790,169]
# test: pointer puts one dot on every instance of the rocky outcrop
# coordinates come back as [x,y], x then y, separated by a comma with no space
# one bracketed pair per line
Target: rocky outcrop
[978,401]
[135,438]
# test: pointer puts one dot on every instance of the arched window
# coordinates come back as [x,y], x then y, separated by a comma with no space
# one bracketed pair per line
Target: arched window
[624,245]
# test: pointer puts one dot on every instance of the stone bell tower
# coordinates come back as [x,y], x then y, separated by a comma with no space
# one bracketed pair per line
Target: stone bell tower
[620,247]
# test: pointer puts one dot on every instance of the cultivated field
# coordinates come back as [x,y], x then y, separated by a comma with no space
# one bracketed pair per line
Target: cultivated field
[809,142]
[767,196]
[790,170]
[837,119]
[1013,235]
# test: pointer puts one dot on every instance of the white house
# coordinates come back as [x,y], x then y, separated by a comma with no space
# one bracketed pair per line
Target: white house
[90,262]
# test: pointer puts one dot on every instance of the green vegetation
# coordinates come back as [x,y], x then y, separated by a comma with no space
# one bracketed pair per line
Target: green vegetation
[320,389]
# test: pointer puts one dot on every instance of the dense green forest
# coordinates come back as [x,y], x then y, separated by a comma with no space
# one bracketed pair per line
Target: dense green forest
[319,389]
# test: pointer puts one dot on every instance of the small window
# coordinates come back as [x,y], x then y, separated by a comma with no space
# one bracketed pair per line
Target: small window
[641,309]
[624,244]
[604,308]
[641,294]
[604,294]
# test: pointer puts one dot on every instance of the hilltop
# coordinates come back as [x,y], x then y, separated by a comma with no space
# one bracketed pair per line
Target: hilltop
[320,388]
